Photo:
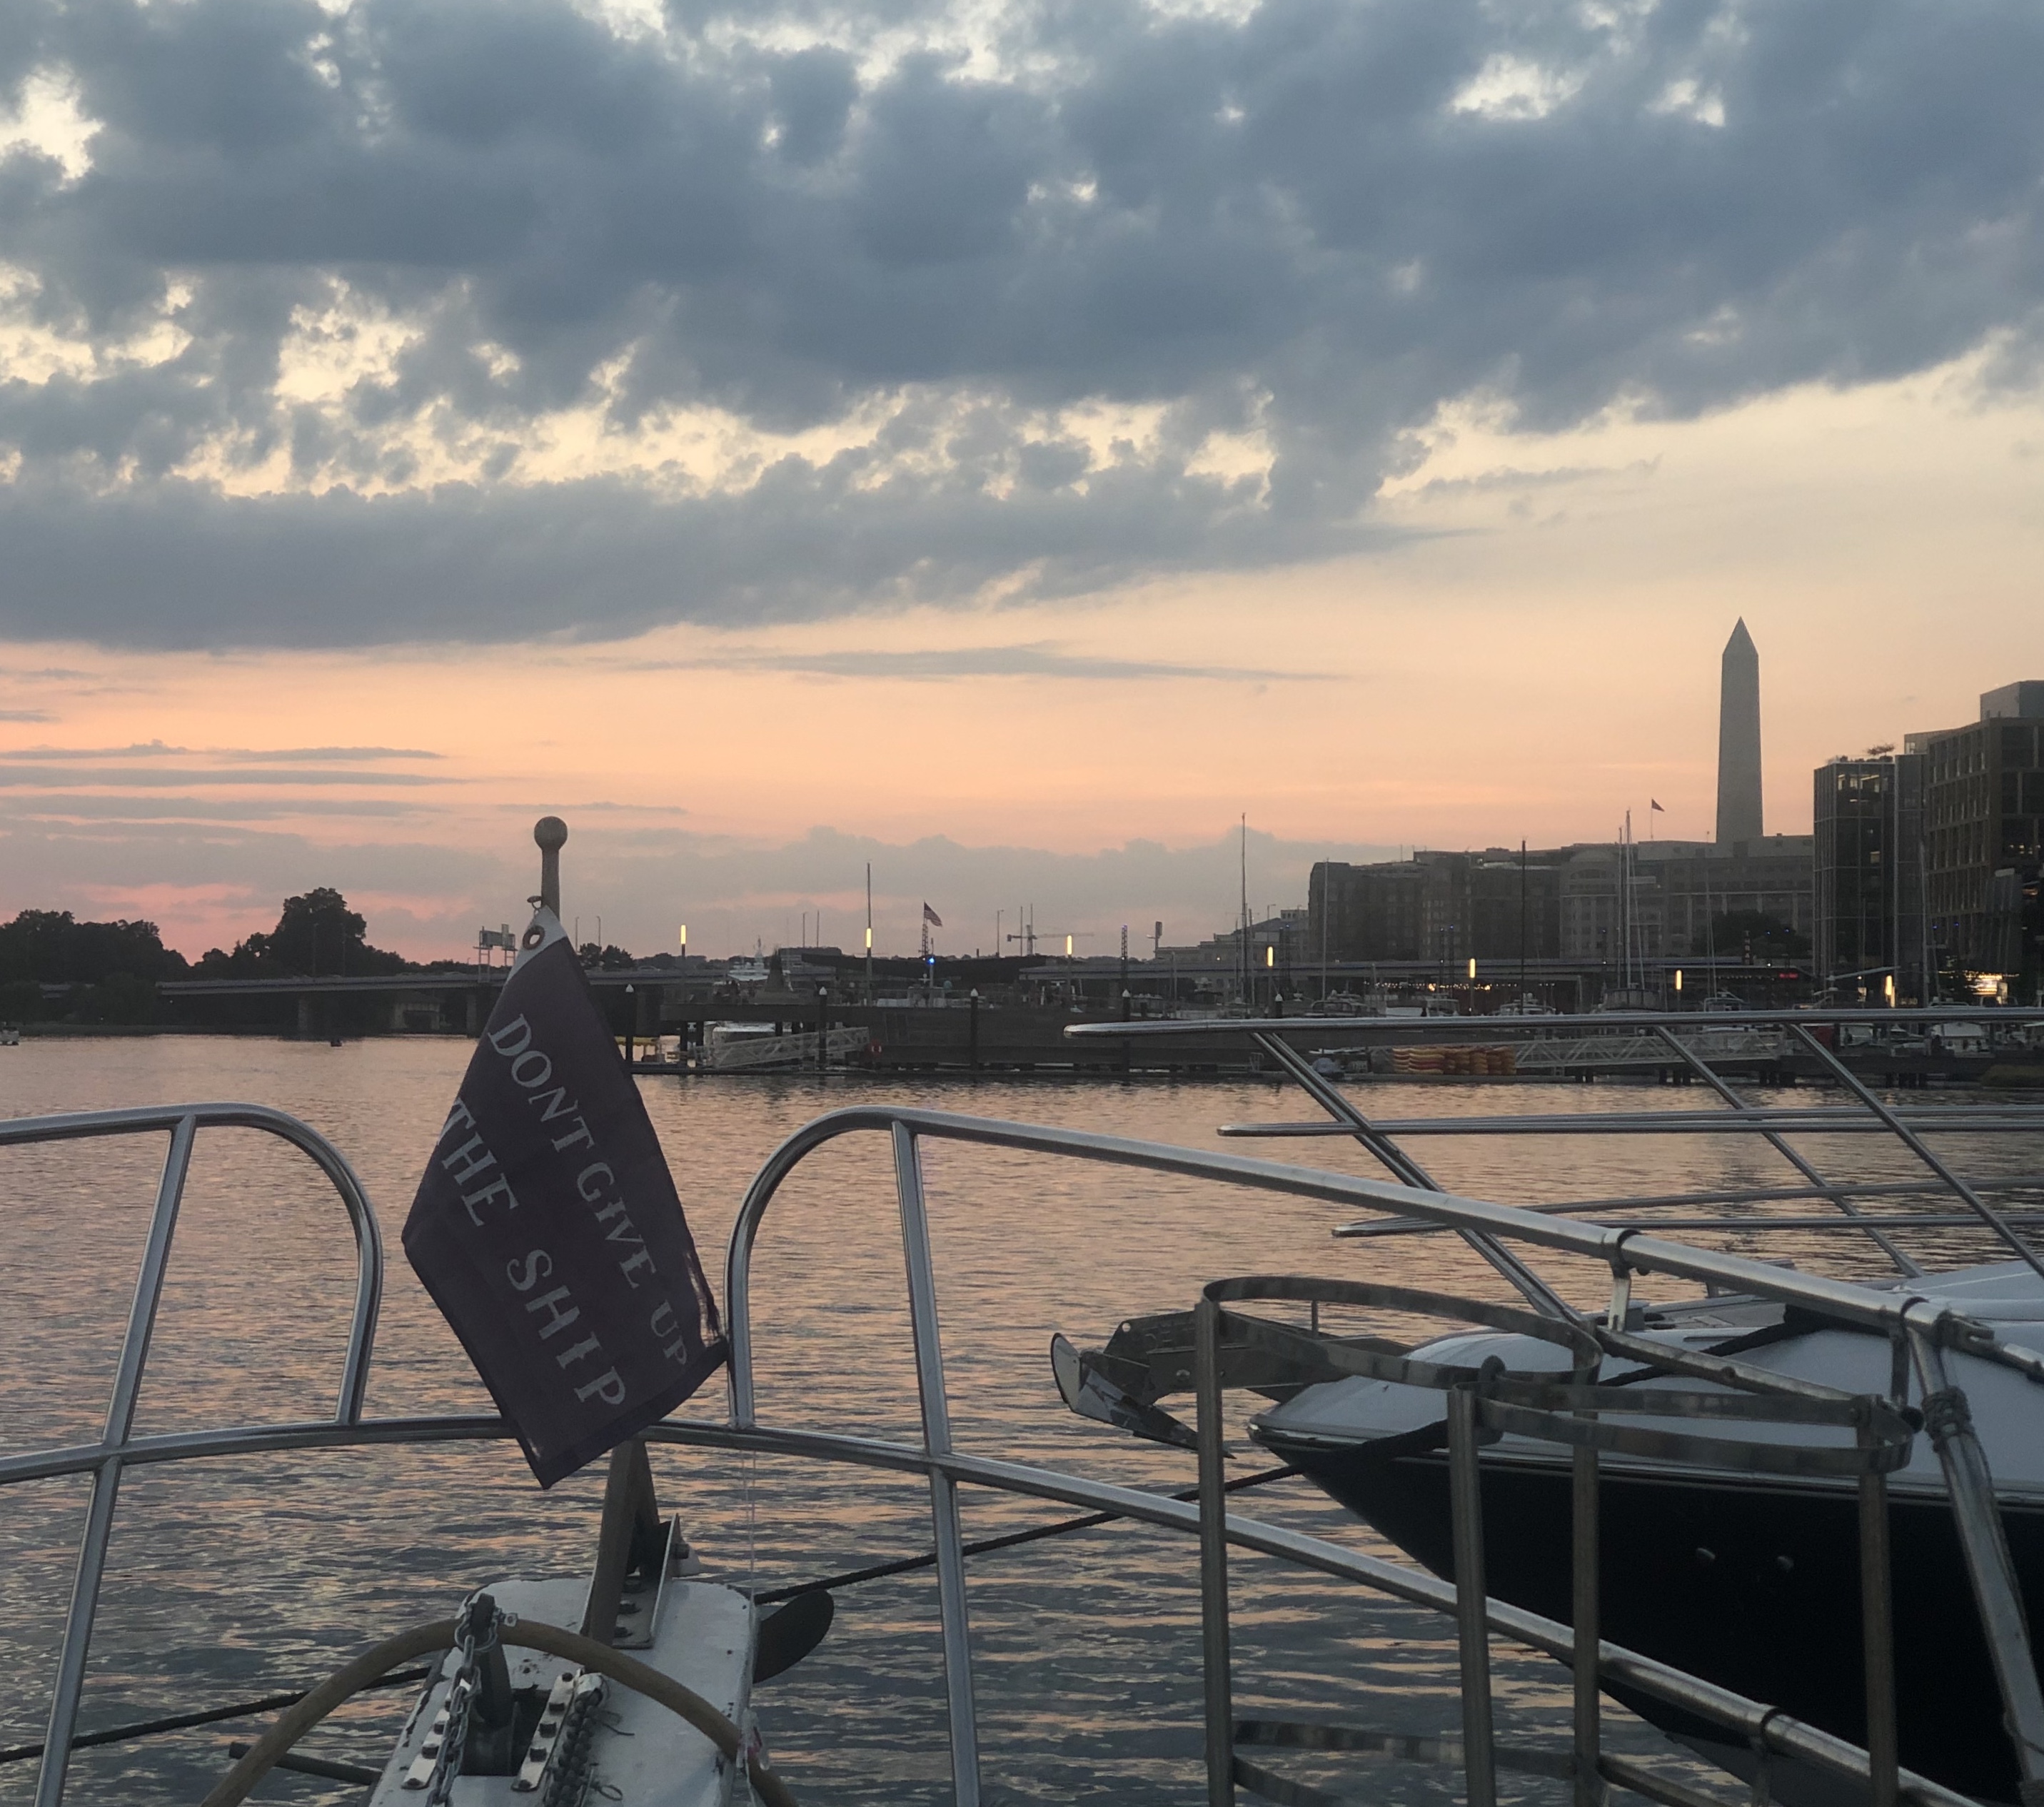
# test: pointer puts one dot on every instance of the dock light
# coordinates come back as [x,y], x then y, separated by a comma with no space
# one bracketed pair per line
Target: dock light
[1270,956]
[1887,987]
[868,937]
[1472,968]
[684,938]
[1068,947]
[1678,982]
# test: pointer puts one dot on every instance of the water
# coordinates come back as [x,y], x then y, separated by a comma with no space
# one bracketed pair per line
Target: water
[229,1578]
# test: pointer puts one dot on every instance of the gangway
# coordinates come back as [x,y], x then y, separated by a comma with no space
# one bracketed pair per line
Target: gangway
[1745,1049]
[744,1053]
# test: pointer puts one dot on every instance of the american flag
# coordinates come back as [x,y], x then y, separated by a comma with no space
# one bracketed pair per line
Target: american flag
[932,917]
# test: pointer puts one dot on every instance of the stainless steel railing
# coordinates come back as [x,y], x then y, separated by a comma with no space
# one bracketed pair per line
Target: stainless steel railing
[1875,1115]
[1925,1328]
[106,1459]
[1929,1329]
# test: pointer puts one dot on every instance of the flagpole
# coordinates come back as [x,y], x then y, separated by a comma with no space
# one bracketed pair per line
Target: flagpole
[869,932]
[1626,868]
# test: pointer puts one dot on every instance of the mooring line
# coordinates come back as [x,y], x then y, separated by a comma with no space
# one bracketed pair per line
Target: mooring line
[907,1564]
[184,1721]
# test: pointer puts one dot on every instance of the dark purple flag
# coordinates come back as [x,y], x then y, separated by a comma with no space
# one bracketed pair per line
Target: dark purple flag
[548,1229]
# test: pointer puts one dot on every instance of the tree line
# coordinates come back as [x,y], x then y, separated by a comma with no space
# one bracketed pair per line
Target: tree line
[53,967]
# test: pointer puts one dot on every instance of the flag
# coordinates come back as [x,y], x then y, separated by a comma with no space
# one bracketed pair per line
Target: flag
[1652,804]
[548,1231]
[932,917]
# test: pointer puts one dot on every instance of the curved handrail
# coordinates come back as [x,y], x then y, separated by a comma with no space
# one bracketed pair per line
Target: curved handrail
[1887,1313]
[105,1459]
[1922,1327]
[76,1125]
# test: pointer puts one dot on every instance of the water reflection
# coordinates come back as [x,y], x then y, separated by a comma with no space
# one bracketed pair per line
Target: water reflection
[230,1577]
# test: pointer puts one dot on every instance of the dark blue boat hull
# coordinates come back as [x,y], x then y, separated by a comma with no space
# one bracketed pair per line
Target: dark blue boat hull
[1752,1585]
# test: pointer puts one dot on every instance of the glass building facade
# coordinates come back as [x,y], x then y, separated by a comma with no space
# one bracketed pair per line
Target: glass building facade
[1868,819]
[1984,833]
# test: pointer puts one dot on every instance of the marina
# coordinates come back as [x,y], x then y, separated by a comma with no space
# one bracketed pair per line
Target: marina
[1296,1055]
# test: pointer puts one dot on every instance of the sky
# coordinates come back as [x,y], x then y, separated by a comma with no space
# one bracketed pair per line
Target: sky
[1006,444]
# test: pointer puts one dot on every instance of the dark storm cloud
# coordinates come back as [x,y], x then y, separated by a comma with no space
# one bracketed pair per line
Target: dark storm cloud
[176,564]
[1315,222]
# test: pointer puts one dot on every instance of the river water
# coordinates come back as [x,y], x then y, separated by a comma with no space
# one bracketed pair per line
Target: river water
[227,1579]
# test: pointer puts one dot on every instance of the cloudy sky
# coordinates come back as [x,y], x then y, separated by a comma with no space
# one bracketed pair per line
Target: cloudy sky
[1006,443]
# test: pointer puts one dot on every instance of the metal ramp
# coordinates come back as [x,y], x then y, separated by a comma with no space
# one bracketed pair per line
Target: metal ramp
[1718,1047]
[745,1053]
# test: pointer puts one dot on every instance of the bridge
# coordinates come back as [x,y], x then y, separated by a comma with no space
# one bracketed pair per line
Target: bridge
[454,1001]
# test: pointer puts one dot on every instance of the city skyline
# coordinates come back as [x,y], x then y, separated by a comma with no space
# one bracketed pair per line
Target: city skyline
[737,891]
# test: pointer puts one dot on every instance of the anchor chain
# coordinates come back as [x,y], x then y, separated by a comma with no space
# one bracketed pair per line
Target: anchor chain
[454,1737]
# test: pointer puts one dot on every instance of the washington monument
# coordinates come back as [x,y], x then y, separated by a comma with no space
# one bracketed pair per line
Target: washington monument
[1739,740]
